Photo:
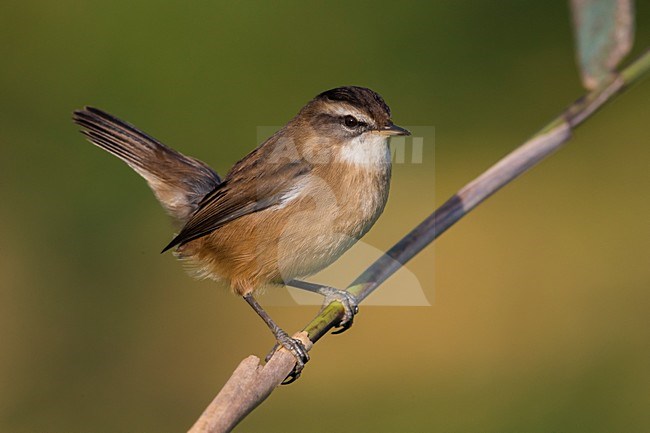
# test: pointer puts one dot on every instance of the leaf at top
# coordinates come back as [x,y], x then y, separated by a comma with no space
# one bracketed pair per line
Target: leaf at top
[604,31]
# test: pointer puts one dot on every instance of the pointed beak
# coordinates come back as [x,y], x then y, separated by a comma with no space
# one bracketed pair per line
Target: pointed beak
[391,129]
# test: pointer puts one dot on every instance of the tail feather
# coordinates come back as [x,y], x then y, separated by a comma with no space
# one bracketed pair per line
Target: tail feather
[178,181]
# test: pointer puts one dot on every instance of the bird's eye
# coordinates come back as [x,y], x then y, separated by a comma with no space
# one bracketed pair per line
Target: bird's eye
[350,121]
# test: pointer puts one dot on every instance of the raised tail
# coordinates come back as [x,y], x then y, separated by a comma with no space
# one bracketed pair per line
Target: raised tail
[178,181]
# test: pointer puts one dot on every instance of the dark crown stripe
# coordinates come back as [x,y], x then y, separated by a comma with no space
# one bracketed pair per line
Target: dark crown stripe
[359,97]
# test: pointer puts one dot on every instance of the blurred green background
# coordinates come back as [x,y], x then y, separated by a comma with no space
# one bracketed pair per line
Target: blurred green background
[540,304]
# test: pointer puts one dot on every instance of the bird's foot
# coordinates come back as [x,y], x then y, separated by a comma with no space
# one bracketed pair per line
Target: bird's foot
[349,302]
[297,349]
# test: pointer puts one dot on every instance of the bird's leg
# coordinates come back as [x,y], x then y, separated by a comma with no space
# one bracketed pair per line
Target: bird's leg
[291,344]
[347,299]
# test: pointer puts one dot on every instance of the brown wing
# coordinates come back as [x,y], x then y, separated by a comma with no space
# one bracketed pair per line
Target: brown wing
[250,187]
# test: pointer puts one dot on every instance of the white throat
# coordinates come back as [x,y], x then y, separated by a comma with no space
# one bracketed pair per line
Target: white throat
[367,150]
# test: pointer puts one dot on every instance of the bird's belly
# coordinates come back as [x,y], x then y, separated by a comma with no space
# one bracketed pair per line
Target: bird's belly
[304,248]
[296,240]
[319,230]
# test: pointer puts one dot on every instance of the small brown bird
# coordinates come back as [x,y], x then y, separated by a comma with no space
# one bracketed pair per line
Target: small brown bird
[288,209]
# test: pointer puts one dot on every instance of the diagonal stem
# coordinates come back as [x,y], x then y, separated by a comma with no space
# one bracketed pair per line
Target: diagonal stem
[251,384]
